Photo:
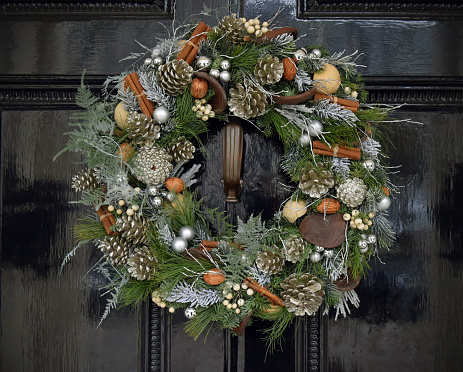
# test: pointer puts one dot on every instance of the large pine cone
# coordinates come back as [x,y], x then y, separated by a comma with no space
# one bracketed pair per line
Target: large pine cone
[232,28]
[141,264]
[246,103]
[152,165]
[132,228]
[302,295]
[142,130]
[174,76]
[293,248]
[315,182]
[268,70]
[270,262]
[85,180]
[182,150]
[115,249]
[352,192]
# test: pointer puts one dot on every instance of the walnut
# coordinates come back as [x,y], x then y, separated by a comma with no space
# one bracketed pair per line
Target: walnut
[289,69]
[199,88]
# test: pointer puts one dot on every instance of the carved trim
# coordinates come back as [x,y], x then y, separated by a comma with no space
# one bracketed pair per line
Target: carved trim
[58,92]
[315,9]
[88,10]
[155,338]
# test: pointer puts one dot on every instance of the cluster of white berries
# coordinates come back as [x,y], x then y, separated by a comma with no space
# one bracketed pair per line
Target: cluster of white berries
[357,221]
[121,203]
[233,295]
[350,92]
[253,26]
[203,111]
[158,301]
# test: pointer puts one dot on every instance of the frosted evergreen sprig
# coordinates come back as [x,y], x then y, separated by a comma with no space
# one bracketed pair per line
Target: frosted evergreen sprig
[195,297]
[303,80]
[371,148]
[342,306]
[260,277]
[383,230]
[155,93]
[341,167]
[324,109]
[297,115]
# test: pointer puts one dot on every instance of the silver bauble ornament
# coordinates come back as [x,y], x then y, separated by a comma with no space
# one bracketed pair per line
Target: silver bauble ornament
[305,139]
[315,128]
[384,203]
[153,190]
[363,250]
[158,61]
[317,53]
[156,52]
[156,201]
[179,244]
[363,244]
[371,239]
[329,253]
[300,54]
[169,196]
[161,115]
[214,73]
[203,63]
[315,257]
[190,312]
[187,232]
[148,62]
[319,249]
[369,165]
[225,64]
[225,76]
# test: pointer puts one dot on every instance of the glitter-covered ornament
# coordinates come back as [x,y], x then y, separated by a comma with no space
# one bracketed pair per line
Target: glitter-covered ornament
[174,76]
[141,129]
[152,165]
[190,312]
[302,295]
[270,262]
[115,249]
[232,28]
[293,248]
[352,192]
[315,182]
[85,180]
[132,228]
[246,103]
[182,150]
[268,70]
[141,264]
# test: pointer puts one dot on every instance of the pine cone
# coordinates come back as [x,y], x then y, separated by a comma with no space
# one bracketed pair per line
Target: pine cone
[270,262]
[174,76]
[85,180]
[182,150]
[132,228]
[232,28]
[152,165]
[141,264]
[246,103]
[352,192]
[142,130]
[302,295]
[293,248]
[115,249]
[315,182]
[268,70]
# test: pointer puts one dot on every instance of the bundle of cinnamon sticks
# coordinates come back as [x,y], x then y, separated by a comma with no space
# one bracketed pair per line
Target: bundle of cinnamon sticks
[338,151]
[190,48]
[133,82]
[107,219]
[346,103]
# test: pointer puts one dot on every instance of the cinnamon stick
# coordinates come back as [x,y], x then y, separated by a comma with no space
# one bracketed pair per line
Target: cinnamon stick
[107,219]
[209,244]
[133,82]
[339,151]
[194,51]
[191,46]
[346,103]
[273,298]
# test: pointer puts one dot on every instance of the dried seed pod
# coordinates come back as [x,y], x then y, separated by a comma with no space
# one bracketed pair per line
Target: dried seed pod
[289,69]
[175,183]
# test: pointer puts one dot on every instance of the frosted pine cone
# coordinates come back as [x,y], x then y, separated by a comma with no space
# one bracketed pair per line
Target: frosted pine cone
[142,130]
[352,192]
[293,248]
[315,182]
[174,76]
[152,165]
[302,295]
[268,70]
[232,28]
[132,228]
[270,262]
[246,103]
[141,264]
[85,180]
[115,249]
[182,150]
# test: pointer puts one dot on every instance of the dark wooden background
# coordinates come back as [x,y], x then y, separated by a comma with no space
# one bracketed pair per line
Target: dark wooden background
[410,314]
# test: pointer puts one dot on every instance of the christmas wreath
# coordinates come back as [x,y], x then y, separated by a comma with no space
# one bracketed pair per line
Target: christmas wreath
[158,240]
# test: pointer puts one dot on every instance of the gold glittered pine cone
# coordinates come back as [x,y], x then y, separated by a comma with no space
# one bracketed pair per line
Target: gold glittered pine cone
[294,248]
[174,76]
[268,70]
[132,228]
[352,192]
[141,129]
[152,165]
[302,295]
[270,262]
[247,103]
[315,182]
[115,249]
[232,28]
[85,180]
[182,150]
[141,264]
